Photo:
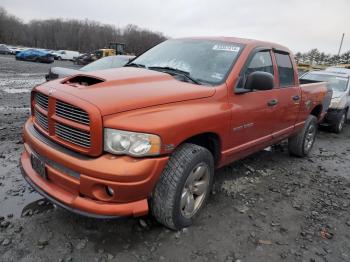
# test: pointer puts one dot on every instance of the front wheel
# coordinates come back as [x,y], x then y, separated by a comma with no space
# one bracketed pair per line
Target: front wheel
[302,143]
[184,186]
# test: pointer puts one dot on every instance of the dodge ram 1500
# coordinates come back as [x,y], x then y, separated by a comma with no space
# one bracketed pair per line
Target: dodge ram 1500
[148,136]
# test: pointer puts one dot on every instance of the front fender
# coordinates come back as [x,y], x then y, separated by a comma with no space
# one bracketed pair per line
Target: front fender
[175,122]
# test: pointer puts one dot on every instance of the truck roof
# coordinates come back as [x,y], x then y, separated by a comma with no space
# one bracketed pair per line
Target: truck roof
[244,41]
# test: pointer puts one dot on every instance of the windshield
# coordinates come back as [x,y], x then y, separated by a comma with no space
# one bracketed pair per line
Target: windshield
[337,83]
[105,63]
[205,61]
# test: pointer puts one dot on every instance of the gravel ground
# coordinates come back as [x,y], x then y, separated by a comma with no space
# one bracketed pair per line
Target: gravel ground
[268,207]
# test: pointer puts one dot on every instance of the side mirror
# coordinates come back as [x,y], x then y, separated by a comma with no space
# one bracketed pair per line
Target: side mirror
[259,80]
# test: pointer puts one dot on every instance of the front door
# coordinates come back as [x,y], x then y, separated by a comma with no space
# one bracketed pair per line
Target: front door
[253,113]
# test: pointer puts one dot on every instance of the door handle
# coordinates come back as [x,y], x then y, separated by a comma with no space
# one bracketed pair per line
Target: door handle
[296,98]
[272,102]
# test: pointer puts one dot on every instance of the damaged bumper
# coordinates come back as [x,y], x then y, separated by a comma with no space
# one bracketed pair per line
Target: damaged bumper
[79,183]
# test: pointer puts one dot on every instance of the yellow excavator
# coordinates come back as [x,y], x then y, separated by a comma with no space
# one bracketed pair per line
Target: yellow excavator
[113,49]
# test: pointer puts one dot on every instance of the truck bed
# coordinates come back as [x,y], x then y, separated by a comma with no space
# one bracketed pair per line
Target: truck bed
[315,92]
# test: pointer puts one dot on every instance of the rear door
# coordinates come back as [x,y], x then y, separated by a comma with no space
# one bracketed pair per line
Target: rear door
[253,115]
[288,95]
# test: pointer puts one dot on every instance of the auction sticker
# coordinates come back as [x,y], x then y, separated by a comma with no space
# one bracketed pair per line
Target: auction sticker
[229,48]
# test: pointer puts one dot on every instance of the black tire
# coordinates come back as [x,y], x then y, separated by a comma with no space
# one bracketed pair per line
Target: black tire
[166,197]
[298,144]
[59,58]
[340,123]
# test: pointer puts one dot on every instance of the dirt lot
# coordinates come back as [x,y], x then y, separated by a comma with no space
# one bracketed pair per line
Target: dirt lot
[268,207]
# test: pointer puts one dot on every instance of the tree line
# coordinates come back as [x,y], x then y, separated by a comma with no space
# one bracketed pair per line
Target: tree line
[315,57]
[87,35]
[73,34]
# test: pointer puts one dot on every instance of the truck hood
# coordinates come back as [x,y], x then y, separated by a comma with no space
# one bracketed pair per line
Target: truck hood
[128,88]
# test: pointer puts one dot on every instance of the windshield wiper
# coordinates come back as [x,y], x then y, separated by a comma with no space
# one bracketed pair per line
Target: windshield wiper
[176,72]
[135,65]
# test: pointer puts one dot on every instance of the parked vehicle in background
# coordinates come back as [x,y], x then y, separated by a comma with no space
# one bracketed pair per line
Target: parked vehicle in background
[100,53]
[87,58]
[339,80]
[15,49]
[4,50]
[35,55]
[101,64]
[66,54]
[148,136]
[84,59]
[118,47]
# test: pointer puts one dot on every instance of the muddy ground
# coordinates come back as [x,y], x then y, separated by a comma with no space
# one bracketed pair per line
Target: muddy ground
[268,207]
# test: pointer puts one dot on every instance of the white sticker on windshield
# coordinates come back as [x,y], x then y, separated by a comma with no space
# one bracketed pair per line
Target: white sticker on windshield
[217,76]
[229,48]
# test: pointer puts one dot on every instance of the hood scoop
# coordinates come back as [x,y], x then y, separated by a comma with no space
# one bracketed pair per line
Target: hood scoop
[82,80]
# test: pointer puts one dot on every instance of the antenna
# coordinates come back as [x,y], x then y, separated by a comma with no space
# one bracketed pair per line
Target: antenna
[341,43]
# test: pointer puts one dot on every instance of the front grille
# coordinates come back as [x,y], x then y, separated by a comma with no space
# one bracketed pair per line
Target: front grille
[41,119]
[73,135]
[42,100]
[69,125]
[72,113]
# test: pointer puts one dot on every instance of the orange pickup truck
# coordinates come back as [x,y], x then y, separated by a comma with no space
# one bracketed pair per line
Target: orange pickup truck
[148,136]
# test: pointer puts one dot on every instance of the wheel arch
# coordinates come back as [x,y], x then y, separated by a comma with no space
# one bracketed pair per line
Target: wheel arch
[317,111]
[208,140]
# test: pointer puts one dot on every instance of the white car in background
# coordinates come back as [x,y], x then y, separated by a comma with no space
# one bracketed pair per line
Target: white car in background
[66,54]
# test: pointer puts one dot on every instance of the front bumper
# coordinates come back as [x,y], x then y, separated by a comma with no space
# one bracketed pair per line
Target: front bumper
[78,183]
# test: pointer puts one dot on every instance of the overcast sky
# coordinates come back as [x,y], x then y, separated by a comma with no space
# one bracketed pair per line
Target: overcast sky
[298,24]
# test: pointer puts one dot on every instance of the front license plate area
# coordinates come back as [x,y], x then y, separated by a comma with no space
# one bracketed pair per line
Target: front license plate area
[38,166]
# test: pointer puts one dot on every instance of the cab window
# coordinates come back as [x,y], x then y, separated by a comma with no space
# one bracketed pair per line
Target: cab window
[261,61]
[285,69]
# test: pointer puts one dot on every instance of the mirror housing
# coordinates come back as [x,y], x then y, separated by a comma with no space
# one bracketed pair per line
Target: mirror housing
[259,80]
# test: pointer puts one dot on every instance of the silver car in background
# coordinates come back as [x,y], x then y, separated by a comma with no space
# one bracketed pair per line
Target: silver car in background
[101,64]
[339,80]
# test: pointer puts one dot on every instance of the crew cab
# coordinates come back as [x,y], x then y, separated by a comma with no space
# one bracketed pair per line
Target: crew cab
[148,137]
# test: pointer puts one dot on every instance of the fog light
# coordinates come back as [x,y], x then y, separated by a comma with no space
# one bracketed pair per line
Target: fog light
[109,191]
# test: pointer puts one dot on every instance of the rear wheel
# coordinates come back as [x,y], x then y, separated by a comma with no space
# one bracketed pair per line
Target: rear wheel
[59,58]
[184,186]
[302,143]
[340,123]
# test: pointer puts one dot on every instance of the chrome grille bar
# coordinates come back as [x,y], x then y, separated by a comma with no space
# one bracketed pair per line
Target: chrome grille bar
[42,100]
[72,113]
[73,135]
[41,119]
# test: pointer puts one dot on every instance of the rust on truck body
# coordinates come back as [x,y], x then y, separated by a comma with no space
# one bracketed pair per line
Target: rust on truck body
[67,122]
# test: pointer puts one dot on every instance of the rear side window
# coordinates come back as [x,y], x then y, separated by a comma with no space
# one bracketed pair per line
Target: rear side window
[285,70]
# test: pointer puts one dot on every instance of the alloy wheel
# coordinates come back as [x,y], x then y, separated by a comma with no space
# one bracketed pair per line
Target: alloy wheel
[195,190]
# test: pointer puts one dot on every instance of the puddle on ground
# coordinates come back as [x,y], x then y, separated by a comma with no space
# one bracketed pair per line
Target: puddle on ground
[37,207]
[16,90]
[11,109]
[14,205]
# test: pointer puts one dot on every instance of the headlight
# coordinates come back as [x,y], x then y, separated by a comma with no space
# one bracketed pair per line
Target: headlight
[130,143]
[338,103]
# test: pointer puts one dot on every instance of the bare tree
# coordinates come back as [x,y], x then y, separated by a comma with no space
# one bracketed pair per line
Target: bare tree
[72,34]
